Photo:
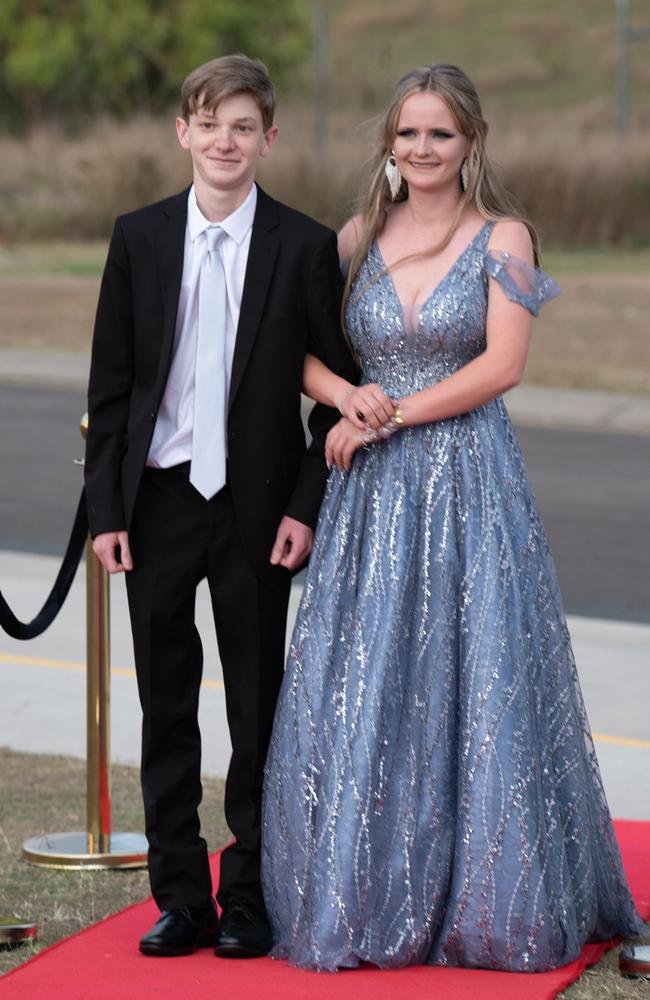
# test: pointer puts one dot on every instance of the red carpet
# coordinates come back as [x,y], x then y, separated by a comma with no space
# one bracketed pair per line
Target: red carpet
[103,963]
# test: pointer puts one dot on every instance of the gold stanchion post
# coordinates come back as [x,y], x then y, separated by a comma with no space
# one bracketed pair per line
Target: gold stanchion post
[98,771]
[98,847]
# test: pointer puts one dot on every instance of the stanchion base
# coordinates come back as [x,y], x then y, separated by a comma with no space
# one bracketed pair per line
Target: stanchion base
[70,850]
[16,931]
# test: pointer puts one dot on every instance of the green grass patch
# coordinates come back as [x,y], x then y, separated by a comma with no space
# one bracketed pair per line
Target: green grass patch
[86,259]
[77,258]
[598,260]
[522,55]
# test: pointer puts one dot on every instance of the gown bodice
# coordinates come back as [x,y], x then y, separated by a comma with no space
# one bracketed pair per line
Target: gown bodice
[404,349]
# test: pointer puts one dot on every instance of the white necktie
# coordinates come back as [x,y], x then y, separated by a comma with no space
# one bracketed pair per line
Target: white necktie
[208,468]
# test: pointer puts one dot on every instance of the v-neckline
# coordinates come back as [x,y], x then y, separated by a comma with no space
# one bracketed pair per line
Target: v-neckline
[417,307]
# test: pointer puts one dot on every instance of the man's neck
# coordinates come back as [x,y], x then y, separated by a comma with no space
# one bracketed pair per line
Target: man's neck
[217,205]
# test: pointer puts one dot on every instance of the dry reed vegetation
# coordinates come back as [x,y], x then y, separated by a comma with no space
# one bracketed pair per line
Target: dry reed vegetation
[56,185]
[589,191]
[592,193]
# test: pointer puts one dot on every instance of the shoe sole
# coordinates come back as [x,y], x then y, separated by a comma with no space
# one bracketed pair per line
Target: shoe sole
[634,970]
[162,951]
[153,952]
[238,951]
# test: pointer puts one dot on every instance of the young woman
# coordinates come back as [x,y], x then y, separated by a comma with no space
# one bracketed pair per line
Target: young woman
[432,792]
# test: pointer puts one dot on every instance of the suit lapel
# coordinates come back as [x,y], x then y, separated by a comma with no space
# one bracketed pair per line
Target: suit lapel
[170,250]
[262,253]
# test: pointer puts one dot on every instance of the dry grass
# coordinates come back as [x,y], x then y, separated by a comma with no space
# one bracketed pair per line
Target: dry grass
[61,186]
[584,190]
[604,982]
[42,794]
[587,193]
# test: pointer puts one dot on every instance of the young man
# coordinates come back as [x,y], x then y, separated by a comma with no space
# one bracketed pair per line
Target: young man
[196,466]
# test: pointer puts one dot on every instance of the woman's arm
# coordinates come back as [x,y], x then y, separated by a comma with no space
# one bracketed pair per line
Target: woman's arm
[322,385]
[349,238]
[508,329]
[500,366]
[365,405]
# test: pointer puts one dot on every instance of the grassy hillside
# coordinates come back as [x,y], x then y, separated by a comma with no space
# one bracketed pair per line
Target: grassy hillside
[526,57]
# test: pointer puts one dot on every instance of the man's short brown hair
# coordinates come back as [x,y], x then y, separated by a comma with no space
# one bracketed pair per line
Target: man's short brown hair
[207,85]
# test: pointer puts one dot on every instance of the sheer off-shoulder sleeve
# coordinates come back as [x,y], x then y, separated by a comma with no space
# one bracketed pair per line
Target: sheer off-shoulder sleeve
[529,286]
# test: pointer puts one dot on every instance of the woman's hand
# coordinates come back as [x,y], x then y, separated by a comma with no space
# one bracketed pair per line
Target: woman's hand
[342,442]
[366,406]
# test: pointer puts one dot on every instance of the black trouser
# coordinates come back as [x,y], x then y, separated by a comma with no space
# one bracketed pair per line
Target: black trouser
[178,538]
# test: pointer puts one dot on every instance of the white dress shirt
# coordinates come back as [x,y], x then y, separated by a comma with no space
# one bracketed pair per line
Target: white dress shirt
[172,437]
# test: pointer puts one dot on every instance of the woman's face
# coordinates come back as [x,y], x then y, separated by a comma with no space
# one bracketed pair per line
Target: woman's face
[429,148]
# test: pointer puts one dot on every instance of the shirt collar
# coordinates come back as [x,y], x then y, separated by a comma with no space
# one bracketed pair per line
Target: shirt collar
[237,225]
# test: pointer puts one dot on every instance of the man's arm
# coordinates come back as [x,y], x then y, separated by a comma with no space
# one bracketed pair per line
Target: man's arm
[327,342]
[109,391]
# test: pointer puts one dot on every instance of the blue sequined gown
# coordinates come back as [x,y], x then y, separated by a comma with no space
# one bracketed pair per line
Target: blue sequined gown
[432,794]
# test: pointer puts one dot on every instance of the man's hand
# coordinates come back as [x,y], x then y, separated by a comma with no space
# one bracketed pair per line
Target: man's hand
[342,442]
[293,543]
[105,547]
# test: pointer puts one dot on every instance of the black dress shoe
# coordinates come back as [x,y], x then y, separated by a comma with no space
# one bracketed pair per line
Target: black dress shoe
[181,931]
[243,931]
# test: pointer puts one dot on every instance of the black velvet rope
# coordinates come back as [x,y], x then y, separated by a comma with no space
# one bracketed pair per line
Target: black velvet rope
[28,630]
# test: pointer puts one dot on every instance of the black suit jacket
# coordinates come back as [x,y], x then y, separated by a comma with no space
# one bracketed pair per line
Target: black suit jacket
[290,306]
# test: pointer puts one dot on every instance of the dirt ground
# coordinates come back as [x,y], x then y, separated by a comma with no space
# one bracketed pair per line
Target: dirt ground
[55,312]
[594,336]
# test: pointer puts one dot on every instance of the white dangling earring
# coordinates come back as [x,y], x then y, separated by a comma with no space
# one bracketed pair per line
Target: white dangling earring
[464,175]
[393,175]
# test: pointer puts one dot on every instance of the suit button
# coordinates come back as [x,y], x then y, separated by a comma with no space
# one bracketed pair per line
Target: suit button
[153,416]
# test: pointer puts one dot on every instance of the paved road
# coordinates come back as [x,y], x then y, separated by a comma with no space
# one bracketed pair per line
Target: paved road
[594,494]
[40,485]
[593,490]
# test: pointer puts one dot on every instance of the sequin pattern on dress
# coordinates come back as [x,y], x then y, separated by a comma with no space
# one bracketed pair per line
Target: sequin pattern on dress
[432,792]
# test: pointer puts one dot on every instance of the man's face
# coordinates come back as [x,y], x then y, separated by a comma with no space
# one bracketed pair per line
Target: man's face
[225,144]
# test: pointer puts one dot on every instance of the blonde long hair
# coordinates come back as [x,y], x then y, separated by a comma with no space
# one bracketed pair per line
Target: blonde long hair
[483,187]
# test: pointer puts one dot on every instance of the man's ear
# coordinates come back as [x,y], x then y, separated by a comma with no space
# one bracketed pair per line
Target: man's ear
[269,138]
[181,131]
